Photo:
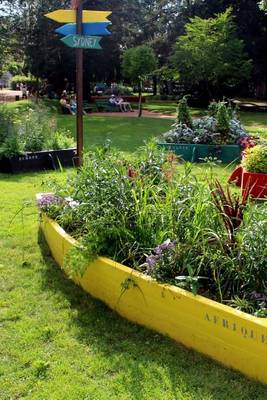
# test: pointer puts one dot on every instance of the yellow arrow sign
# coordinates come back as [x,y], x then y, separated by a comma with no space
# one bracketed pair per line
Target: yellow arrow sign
[70,16]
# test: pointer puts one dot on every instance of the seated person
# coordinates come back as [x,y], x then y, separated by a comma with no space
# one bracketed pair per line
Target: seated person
[65,105]
[73,104]
[124,105]
[113,101]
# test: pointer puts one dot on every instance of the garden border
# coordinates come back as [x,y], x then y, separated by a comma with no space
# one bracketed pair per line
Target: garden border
[229,153]
[235,339]
[38,161]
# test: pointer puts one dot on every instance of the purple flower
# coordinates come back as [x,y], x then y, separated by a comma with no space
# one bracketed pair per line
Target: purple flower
[167,245]
[151,261]
[46,200]
[259,297]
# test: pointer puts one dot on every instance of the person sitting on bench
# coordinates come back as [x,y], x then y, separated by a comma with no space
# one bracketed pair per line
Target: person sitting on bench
[119,102]
[113,102]
[65,105]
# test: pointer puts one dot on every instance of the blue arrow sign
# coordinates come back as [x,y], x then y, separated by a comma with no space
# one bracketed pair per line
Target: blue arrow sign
[92,29]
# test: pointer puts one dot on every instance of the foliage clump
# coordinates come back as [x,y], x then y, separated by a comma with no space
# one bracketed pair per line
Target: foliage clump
[169,225]
[255,159]
[184,116]
[210,53]
[29,130]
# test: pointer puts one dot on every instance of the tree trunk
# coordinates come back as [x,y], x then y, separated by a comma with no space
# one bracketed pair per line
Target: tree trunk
[37,89]
[140,98]
[155,85]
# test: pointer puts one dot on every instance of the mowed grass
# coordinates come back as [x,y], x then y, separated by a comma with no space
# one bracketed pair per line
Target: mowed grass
[126,134]
[58,343]
[255,122]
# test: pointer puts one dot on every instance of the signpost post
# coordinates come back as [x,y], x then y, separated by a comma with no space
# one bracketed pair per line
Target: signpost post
[81,33]
[79,87]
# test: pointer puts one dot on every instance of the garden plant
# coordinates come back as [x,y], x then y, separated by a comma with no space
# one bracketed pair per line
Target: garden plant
[30,130]
[255,159]
[220,126]
[146,214]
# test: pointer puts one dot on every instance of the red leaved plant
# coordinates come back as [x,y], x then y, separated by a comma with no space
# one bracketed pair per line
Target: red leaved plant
[231,207]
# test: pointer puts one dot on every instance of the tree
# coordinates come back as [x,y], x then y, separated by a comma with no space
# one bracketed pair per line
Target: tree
[137,63]
[251,24]
[210,53]
[263,5]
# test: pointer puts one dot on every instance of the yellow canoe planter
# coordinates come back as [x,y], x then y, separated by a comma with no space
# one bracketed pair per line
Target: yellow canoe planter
[233,338]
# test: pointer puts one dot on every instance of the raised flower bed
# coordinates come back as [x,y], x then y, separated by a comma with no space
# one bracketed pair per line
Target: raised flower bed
[218,135]
[171,232]
[201,152]
[30,141]
[235,339]
[252,174]
[38,161]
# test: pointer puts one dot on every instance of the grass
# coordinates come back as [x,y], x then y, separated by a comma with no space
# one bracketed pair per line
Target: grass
[167,107]
[59,343]
[255,122]
[126,134]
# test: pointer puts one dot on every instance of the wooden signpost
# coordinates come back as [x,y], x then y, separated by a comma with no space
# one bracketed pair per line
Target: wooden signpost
[84,32]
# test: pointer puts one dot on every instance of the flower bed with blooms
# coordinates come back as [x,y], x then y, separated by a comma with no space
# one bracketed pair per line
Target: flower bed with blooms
[220,127]
[30,130]
[145,214]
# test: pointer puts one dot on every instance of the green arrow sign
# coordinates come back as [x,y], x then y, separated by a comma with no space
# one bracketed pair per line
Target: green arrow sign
[82,41]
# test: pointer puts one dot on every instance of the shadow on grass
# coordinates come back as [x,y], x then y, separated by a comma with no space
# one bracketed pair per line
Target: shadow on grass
[141,350]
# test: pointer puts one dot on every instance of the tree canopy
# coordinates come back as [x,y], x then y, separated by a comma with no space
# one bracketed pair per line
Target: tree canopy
[138,62]
[28,38]
[211,52]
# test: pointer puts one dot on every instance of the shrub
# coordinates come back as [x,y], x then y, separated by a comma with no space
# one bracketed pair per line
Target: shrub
[184,117]
[17,79]
[255,159]
[223,119]
[119,89]
[61,139]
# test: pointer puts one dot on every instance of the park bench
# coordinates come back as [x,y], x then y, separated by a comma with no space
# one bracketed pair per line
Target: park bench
[104,105]
[87,107]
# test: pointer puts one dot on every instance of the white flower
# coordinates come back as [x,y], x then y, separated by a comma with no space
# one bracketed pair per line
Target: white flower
[71,202]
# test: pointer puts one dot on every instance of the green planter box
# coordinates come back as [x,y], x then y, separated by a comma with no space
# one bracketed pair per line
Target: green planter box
[198,152]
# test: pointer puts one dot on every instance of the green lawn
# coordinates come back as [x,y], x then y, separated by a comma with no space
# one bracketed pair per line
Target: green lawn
[59,343]
[126,134]
[255,122]
[167,107]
